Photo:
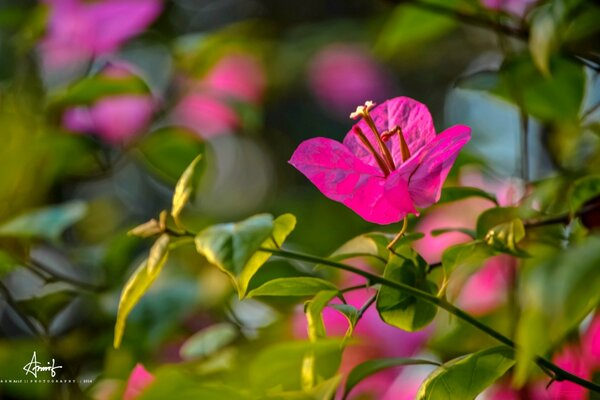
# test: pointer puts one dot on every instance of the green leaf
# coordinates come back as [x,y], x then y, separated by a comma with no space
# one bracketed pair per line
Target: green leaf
[557,97]
[455,193]
[542,37]
[169,151]
[465,377]
[493,217]
[208,341]
[368,368]
[296,286]
[45,308]
[408,27]
[397,308]
[582,191]
[556,294]
[158,253]
[138,284]
[86,91]
[466,231]
[504,237]
[175,382]
[45,223]
[314,313]
[323,391]
[184,189]
[279,366]
[7,263]
[467,255]
[235,247]
[351,315]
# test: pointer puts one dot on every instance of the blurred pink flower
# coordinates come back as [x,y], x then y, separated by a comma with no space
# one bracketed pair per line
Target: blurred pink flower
[207,108]
[591,343]
[238,76]
[376,339]
[486,290]
[572,360]
[515,7]
[116,119]
[79,30]
[343,75]
[138,381]
[406,171]
[206,115]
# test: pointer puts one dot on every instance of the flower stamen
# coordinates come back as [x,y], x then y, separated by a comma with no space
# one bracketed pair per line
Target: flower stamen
[404,150]
[361,136]
[363,111]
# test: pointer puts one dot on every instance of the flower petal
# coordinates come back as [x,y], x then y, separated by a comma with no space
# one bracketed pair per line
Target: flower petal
[342,177]
[427,170]
[138,381]
[411,116]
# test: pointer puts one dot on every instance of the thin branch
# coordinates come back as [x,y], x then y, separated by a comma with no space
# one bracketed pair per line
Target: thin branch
[442,303]
[53,276]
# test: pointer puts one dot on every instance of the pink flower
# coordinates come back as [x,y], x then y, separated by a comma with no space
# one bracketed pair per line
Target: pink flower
[591,343]
[207,109]
[138,381]
[342,75]
[391,161]
[238,76]
[572,360]
[79,30]
[206,115]
[116,119]
[516,7]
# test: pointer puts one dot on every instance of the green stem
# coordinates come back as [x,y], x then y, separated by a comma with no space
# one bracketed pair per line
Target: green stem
[559,373]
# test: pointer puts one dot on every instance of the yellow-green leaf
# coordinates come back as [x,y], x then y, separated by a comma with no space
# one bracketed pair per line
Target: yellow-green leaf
[184,189]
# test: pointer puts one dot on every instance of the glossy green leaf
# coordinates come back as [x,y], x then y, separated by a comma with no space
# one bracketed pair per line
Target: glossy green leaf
[351,315]
[235,247]
[466,255]
[504,237]
[314,313]
[556,294]
[208,341]
[294,286]
[493,217]
[158,253]
[368,368]
[455,193]
[466,231]
[184,189]
[465,377]
[583,190]
[138,284]
[45,223]
[279,366]
[400,309]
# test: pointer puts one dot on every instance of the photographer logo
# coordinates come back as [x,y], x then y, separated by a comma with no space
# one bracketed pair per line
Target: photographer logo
[33,367]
